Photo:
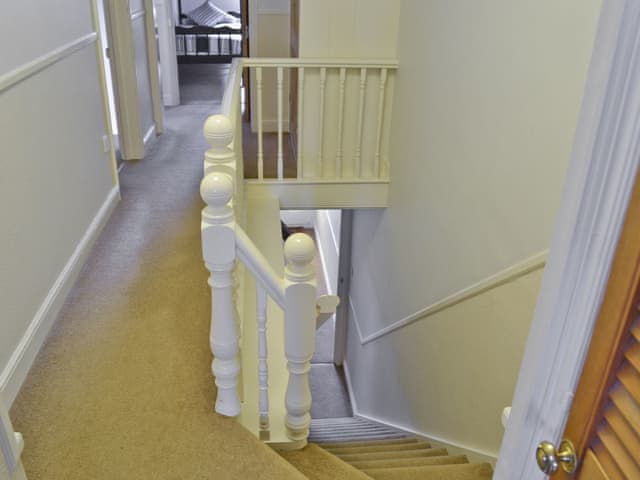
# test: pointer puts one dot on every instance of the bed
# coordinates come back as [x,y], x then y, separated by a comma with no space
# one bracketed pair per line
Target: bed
[207,34]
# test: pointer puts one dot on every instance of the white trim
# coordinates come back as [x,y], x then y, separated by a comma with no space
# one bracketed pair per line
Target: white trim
[604,164]
[323,252]
[137,14]
[11,443]
[352,397]
[15,372]
[507,275]
[149,135]
[27,70]
[475,453]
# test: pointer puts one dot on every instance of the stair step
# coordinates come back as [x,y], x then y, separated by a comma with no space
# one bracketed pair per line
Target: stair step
[430,452]
[469,471]
[354,437]
[350,428]
[410,462]
[317,464]
[393,441]
[380,448]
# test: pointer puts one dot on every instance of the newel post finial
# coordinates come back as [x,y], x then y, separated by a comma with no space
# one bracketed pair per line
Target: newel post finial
[300,328]
[219,134]
[219,252]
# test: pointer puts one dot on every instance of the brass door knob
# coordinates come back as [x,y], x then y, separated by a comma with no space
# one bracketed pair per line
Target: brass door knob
[549,459]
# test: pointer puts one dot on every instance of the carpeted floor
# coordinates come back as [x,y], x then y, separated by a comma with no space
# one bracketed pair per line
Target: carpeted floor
[122,388]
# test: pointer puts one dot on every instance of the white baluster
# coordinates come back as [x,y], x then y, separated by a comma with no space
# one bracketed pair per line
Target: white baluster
[218,132]
[376,158]
[363,83]
[259,120]
[263,370]
[280,154]
[343,77]
[300,119]
[323,81]
[300,326]
[219,252]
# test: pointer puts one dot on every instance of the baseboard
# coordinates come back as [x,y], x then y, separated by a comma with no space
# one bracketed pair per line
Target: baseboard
[149,136]
[352,397]
[17,368]
[474,454]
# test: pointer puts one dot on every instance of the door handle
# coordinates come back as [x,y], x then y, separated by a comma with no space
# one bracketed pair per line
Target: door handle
[549,459]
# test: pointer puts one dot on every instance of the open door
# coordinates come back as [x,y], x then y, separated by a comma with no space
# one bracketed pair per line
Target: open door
[584,267]
[604,423]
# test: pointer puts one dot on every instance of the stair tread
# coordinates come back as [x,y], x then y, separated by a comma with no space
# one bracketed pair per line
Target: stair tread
[410,462]
[420,445]
[349,457]
[318,464]
[364,443]
[469,471]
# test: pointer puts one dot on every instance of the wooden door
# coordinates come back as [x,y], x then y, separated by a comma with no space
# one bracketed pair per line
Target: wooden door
[604,422]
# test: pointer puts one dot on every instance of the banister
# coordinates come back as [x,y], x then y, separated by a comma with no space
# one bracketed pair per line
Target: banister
[319,62]
[259,266]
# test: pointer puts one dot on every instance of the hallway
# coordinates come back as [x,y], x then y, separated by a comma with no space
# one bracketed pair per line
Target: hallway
[122,389]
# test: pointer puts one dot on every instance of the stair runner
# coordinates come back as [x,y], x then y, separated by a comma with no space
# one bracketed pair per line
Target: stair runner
[355,448]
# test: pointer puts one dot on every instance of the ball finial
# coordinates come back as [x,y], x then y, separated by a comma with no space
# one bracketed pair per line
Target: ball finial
[299,248]
[218,131]
[216,189]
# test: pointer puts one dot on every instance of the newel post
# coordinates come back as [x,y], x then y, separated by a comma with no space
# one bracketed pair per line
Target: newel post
[219,252]
[218,132]
[300,328]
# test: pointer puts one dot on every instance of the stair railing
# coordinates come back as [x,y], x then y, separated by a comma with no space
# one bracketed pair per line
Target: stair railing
[224,242]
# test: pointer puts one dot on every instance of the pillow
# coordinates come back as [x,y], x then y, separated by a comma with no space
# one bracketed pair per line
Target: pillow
[209,15]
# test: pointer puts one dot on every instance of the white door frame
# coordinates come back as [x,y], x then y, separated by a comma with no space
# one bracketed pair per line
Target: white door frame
[600,178]
[152,64]
[167,51]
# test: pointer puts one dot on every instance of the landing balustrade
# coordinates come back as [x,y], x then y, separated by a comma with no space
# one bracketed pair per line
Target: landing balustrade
[339,128]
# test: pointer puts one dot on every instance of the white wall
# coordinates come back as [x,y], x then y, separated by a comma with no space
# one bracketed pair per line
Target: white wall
[486,102]
[348,28]
[269,29]
[55,175]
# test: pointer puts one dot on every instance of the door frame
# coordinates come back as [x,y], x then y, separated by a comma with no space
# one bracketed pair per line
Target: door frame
[600,178]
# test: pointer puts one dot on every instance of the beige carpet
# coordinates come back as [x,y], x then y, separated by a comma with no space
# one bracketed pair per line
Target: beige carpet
[385,460]
[122,388]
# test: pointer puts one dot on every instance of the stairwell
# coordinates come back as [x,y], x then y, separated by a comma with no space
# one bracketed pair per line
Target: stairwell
[355,448]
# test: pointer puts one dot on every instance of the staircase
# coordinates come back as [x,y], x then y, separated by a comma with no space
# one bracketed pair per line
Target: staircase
[354,448]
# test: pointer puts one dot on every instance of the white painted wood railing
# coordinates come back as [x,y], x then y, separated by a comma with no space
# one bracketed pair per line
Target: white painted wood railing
[340,113]
[224,241]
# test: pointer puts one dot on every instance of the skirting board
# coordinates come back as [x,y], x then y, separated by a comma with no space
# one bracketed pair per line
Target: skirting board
[326,250]
[20,362]
[453,448]
[150,135]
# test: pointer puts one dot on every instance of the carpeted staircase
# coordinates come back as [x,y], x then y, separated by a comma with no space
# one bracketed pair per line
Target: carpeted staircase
[354,448]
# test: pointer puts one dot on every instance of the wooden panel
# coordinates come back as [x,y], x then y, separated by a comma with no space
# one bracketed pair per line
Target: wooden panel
[618,452]
[591,468]
[628,407]
[622,430]
[605,363]
[607,464]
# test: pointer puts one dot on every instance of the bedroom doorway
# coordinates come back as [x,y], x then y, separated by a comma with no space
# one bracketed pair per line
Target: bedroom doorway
[209,34]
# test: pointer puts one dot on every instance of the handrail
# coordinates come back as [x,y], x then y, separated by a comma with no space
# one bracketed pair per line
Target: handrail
[319,62]
[256,262]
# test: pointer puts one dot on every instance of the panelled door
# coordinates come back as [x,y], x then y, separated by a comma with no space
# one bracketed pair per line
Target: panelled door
[604,422]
